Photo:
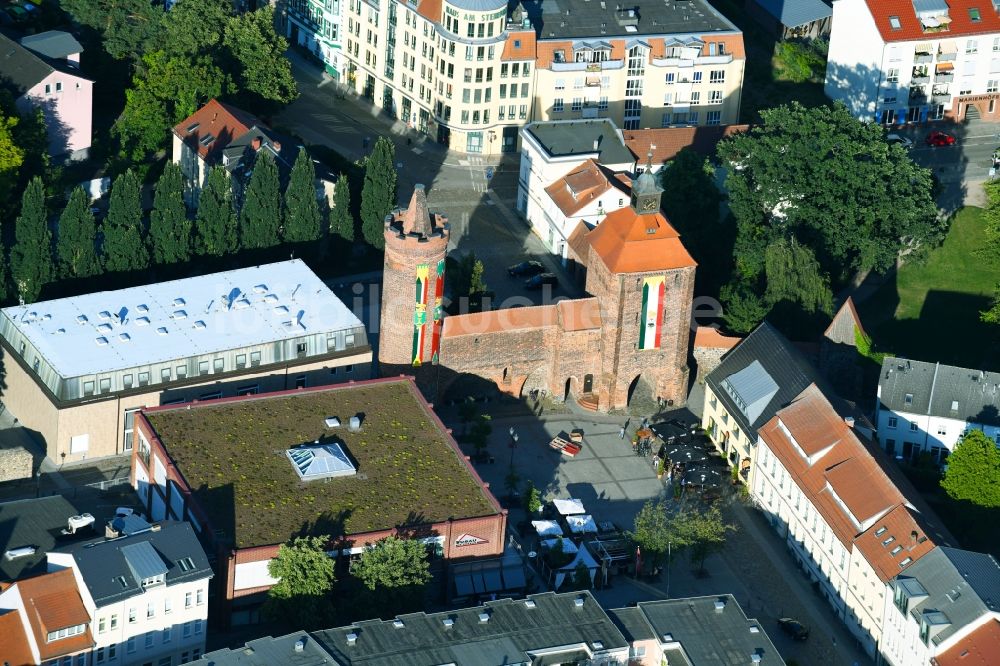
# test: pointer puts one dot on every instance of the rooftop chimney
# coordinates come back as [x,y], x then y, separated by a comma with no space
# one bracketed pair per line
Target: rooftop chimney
[255,144]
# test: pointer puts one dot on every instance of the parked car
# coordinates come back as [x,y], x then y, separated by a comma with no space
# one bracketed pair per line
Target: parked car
[937,139]
[540,280]
[794,628]
[904,141]
[525,269]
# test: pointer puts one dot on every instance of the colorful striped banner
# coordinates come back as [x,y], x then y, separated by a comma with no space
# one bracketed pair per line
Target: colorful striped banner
[438,313]
[420,314]
[651,324]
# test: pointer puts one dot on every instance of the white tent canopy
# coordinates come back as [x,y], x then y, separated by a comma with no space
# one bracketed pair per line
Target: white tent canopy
[568,507]
[546,528]
[581,524]
[582,555]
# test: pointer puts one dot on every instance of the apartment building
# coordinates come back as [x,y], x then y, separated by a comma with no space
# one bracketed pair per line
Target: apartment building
[925,408]
[899,61]
[145,594]
[314,25]
[471,72]
[79,368]
[43,621]
[944,610]
[847,525]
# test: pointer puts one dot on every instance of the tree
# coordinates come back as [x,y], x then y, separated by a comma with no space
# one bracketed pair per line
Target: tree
[215,224]
[378,196]
[169,226]
[31,256]
[341,220]
[122,228]
[260,216]
[11,155]
[477,283]
[195,27]
[126,26]
[467,411]
[397,569]
[702,533]
[793,275]
[990,250]
[260,54]
[654,532]
[76,251]
[581,577]
[532,499]
[301,220]
[744,309]
[973,473]
[305,576]
[834,183]
[482,427]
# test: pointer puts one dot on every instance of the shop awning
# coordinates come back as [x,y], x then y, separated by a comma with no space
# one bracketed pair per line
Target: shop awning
[944,67]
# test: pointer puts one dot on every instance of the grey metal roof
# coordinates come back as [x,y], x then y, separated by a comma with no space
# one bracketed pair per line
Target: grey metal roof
[561,19]
[143,560]
[936,388]
[960,584]
[929,6]
[31,522]
[709,636]
[105,569]
[269,651]
[20,66]
[793,13]
[752,388]
[511,631]
[52,44]
[632,624]
[783,363]
[576,137]
[478,5]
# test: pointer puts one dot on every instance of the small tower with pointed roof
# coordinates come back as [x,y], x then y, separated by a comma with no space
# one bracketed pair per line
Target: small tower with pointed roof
[416,242]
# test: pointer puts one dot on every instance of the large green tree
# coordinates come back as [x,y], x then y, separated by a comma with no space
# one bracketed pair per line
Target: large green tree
[341,219]
[169,226]
[793,276]
[31,256]
[195,27]
[214,232]
[305,576]
[397,571]
[378,196]
[76,250]
[973,473]
[654,532]
[126,26]
[11,155]
[834,183]
[263,69]
[702,533]
[990,251]
[302,218]
[122,231]
[260,215]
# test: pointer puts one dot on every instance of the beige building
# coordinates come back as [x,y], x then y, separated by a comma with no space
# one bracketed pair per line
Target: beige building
[470,72]
[77,369]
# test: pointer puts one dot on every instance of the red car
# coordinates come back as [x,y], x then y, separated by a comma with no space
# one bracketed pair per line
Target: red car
[938,139]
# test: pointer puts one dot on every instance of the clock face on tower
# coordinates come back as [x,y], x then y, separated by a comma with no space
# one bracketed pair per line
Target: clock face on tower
[648,205]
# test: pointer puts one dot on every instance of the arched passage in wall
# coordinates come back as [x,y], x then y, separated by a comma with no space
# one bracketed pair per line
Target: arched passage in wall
[641,397]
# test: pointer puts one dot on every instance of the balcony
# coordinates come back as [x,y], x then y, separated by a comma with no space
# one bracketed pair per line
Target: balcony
[923,58]
[920,79]
[944,77]
[918,96]
[673,62]
[947,56]
[586,66]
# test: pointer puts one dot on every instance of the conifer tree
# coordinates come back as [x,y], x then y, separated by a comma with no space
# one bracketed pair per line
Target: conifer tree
[260,217]
[124,249]
[215,223]
[378,196]
[169,226]
[341,220]
[75,249]
[31,257]
[301,219]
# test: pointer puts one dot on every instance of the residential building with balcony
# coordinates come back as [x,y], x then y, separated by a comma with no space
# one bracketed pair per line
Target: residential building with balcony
[846,523]
[145,594]
[79,368]
[926,408]
[943,610]
[43,621]
[900,61]
[313,25]
[471,72]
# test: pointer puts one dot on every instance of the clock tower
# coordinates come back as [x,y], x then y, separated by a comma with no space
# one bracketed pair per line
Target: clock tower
[645,192]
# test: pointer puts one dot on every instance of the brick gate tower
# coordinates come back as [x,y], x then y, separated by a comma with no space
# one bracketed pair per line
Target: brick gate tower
[416,242]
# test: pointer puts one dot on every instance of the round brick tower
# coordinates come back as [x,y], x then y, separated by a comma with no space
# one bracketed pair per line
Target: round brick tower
[416,242]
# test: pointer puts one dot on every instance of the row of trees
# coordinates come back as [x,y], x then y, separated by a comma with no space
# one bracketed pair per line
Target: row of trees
[698,532]
[991,248]
[179,59]
[395,570]
[816,197]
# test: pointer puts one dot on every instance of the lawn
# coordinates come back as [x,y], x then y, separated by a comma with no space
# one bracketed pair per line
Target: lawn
[233,457]
[930,311]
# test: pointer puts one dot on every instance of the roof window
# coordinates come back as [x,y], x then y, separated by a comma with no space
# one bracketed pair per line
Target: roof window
[908,399]
[895,550]
[905,561]
[888,540]
[880,531]
[207,139]
[974,15]
[954,405]
[894,23]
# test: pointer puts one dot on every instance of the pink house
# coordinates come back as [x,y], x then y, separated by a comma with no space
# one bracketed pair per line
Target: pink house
[44,72]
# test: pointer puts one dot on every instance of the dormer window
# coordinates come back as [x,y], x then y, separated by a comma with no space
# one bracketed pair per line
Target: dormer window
[153,581]
[65,633]
[974,15]
[908,399]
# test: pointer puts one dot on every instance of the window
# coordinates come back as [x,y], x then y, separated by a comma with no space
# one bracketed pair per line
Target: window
[557,105]
[166,634]
[131,616]
[696,77]
[202,367]
[114,621]
[143,379]
[48,89]
[88,388]
[602,103]
[715,97]
[100,655]
[996,43]
[717,76]
[248,390]
[348,369]
[300,381]
[577,103]
[127,381]
[164,374]
[168,605]
[102,625]
[218,365]
[181,371]
[187,599]
[300,348]
[349,340]
[991,86]
[974,15]
[713,118]
[165,661]
[254,358]
[105,385]
[63,633]
[894,23]
[150,609]
[199,597]
[908,399]
[665,120]
[58,86]
[913,426]
[197,626]
[149,639]
[695,97]
[971,46]
[213,395]
[130,645]
[892,75]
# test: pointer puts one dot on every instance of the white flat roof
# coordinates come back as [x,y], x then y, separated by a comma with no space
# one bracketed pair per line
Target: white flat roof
[114,330]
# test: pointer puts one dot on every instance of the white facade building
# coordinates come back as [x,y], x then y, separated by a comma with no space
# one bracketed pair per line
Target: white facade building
[147,595]
[314,25]
[927,407]
[898,62]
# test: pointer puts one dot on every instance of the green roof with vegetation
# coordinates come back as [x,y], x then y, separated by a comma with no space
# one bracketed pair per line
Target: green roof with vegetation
[232,455]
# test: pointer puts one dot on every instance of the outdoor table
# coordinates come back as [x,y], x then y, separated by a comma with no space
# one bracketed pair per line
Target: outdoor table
[685,454]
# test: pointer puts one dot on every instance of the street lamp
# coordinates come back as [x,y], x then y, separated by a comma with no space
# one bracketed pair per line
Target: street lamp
[513,445]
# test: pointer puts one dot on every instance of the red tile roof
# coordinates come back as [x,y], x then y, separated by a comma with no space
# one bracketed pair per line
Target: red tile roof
[900,524]
[666,142]
[979,648]
[224,122]
[580,186]
[910,28]
[14,646]
[493,321]
[709,337]
[51,602]
[523,50]
[430,10]
[580,314]
[628,242]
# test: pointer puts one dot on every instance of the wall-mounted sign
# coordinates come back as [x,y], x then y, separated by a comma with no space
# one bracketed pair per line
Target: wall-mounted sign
[469,540]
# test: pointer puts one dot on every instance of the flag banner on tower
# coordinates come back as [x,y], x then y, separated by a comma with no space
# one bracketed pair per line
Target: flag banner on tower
[420,314]
[438,313]
[651,323]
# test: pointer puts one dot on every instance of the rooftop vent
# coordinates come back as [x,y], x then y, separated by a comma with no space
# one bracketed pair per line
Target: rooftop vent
[332,422]
[104,314]
[142,321]
[161,330]
[755,658]
[578,602]
[668,638]
[448,623]
[104,328]
[849,420]
[484,617]
[199,325]
[179,314]
[398,623]
[529,603]
[754,629]
[259,288]
[124,337]
[354,423]
[352,638]
[598,645]
[178,302]
[82,319]
[720,605]
[300,645]
[271,299]
[281,310]
[142,308]
[101,341]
